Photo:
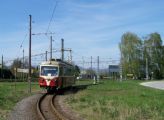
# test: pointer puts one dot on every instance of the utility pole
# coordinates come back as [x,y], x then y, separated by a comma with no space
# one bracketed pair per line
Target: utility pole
[121,66]
[2,62]
[2,68]
[121,71]
[70,55]
[147,72]
[83,67]
[23,59]
[23,64]
[91,62]
[29,75]
[91,68]
[62,49]
[83,62]
[98,63]
[51,48]
[46,55]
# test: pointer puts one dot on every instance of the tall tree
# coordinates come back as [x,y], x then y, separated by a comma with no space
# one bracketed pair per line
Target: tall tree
[153,53]
[131,54]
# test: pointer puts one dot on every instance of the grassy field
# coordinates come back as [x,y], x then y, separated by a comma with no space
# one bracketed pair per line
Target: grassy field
[125,100]
[11,93]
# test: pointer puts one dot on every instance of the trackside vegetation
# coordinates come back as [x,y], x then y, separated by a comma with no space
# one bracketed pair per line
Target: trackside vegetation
[11,93]
[116,100]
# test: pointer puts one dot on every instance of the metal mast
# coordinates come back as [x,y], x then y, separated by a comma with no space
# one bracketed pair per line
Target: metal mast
[29,75]
[62,49]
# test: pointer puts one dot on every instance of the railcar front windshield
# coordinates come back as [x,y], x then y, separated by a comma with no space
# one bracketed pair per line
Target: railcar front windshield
[49,70]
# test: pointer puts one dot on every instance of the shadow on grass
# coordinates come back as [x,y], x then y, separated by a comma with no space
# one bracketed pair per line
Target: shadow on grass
[73,89]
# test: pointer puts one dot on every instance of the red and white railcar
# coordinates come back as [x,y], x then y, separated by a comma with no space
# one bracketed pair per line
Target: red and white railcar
[56,74]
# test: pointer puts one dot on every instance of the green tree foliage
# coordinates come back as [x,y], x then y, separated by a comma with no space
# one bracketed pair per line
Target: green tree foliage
[77,70]
[90,71]
[131,53]
[6,73]
[153,50]
[162,62]
[16,64]
[134,53]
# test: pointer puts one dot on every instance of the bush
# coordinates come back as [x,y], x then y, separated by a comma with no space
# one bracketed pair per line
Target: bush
[6,74]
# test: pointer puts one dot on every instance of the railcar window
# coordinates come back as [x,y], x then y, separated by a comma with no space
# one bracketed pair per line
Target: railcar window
[68,71]
[52,70]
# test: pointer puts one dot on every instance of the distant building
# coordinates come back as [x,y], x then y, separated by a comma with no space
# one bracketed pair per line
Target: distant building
[114,71]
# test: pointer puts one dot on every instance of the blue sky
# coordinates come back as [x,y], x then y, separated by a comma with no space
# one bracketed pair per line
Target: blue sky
[89,27]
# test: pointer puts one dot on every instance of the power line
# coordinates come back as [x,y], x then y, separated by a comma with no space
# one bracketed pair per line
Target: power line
[30,34]
[52,16]
[23,40]
[43,33]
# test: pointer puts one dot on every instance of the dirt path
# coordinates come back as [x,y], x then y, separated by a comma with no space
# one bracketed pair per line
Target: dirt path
[154,84]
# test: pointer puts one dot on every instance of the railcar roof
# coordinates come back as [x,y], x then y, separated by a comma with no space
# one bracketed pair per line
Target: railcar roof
[55,63]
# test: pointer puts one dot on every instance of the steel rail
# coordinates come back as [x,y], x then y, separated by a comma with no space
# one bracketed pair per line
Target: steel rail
[41,115]
[52,107]
[60,116]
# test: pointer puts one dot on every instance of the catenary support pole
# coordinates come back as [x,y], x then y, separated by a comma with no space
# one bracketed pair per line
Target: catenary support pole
[23,64]
[147,72]
[98,65]
[2,76]
[51,48]
[62,49]
[29,74]
[91,69]
[46,55]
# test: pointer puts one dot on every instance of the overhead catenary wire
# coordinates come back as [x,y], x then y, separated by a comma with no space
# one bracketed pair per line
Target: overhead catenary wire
[19,48]
[56,3]
[22,42]
[21,45]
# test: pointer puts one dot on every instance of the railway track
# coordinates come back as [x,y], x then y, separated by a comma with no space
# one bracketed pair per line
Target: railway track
[46,108]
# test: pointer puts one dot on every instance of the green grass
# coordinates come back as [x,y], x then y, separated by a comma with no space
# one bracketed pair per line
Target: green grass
[11,93]
[125,100]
